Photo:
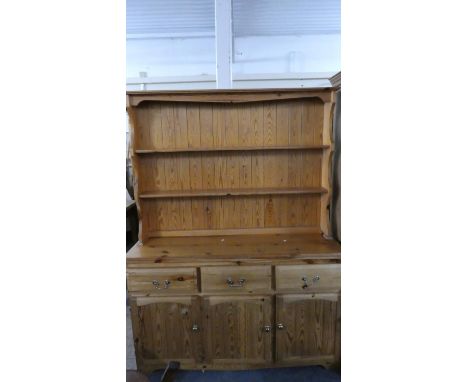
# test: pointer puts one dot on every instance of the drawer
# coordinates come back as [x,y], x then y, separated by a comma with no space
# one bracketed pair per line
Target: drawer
[232,279]
[162,280]
[306,278]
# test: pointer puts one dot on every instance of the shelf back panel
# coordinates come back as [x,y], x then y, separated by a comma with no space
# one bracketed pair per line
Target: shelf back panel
[224,213]
[234,169]
[171,125]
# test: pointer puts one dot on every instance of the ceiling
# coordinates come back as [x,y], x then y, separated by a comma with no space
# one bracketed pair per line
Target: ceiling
[175,16]
[291,17]
[163,18]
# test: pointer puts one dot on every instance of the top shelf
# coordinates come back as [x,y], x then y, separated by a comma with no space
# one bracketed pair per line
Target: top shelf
[237,148]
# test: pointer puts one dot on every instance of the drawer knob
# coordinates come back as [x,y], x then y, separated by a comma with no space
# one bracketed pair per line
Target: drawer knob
[267,328]
[314,280]
[157,284]
[195,328]
[280,326]
[232,284]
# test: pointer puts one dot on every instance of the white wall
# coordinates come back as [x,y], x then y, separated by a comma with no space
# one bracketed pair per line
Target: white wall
[307,56]
[167,57]
[287,54]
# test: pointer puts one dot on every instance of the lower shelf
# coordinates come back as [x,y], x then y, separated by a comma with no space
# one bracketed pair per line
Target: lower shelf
[233,192]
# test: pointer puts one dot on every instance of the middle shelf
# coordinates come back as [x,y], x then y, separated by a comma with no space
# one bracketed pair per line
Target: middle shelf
[232,192]
[230,148]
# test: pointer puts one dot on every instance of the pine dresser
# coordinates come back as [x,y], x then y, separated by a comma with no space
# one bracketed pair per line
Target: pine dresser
[235,267]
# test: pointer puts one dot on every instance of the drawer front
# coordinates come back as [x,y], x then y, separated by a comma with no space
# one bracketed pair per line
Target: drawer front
[162,281]
[232,279]
[306,278]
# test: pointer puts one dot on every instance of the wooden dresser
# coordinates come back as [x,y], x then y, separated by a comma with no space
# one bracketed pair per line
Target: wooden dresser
[235,267]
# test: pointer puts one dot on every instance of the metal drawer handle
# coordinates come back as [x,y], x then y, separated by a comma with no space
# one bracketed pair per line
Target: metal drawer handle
[314,280]
[231,283]
[267,328]
[157,284]
[195,328]
[280,326]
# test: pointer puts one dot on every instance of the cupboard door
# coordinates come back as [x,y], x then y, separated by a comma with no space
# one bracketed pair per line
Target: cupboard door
[167,328]
[306,327]
[238,330]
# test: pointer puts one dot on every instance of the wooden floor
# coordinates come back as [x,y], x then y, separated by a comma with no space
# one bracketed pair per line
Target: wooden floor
[248,248]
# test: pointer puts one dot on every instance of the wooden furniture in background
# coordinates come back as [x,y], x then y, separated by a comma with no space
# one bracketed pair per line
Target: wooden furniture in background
[132,222]
[335,210]
[233,268]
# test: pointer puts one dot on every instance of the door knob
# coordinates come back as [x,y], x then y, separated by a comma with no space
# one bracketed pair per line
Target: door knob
[267,328]
[195,328]
[280,326]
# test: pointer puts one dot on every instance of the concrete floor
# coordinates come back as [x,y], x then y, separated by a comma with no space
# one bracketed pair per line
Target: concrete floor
[131,360]
[295,374]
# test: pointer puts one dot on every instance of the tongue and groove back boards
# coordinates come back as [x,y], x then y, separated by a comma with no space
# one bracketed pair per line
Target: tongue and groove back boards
[183,125]
[231,162]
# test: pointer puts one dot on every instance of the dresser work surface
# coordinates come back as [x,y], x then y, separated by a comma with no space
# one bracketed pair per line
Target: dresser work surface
[233,269]
[234,249]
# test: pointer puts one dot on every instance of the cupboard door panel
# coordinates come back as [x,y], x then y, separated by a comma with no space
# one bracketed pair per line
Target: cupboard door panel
[306,327]
[236,330]
[163,329]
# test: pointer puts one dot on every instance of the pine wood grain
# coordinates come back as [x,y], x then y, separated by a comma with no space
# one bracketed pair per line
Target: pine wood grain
[209,170]
[181,280]
[327,139]
[308,327]
[233,192]
[193,127]
[242,248]
[290,278]
[162,329]
[233,148]
[257,279]
[233,184]
[177,127]
[228,96]
[224,213]
[189,148]
[235,329]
